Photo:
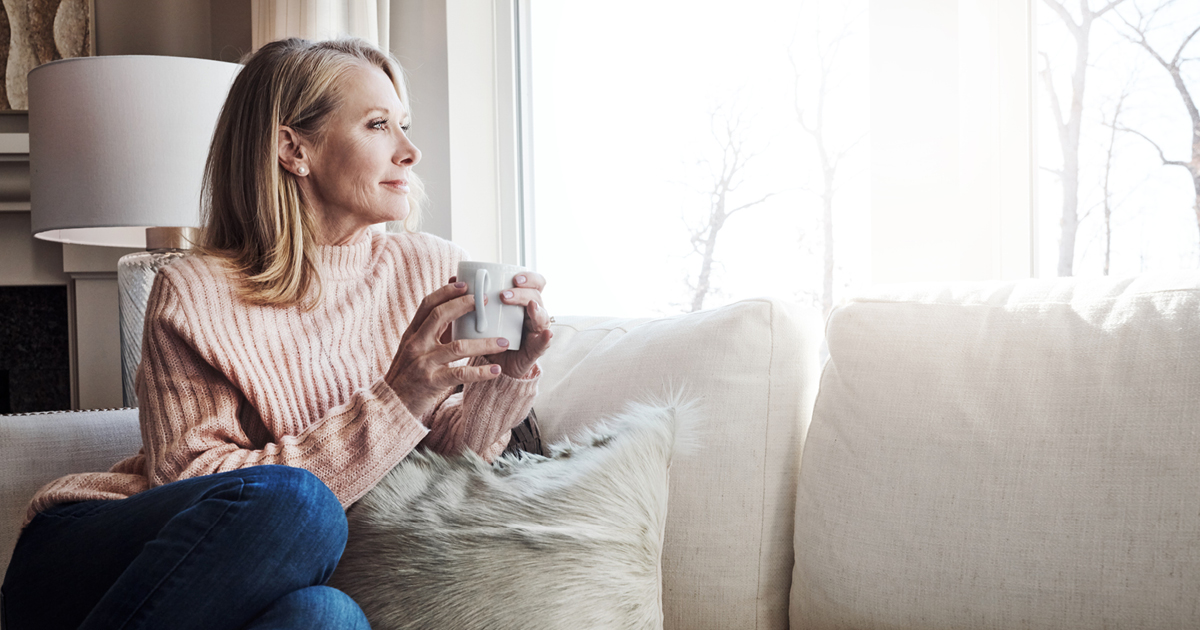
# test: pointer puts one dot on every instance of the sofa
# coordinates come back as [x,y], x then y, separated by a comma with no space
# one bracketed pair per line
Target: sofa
[978,455]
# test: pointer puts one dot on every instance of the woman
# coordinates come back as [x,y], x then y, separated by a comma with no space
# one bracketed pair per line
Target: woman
[284,372]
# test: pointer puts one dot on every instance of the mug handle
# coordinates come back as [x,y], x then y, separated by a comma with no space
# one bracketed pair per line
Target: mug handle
[481,278]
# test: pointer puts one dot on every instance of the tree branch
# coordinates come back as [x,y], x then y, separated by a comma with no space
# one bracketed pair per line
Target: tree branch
[752,203]
[1154,144]
[1055,105]
[1106,8]
[1179,53]
[1065,15]
[1140,40]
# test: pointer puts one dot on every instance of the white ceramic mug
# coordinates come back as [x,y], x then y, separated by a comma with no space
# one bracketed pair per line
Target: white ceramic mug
[495,319]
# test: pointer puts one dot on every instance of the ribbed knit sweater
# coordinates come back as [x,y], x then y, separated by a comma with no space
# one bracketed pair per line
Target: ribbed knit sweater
[225,384]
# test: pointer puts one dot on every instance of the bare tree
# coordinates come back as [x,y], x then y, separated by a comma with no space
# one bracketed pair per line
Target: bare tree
[1070,124]
[811,117]
[1137,31]
[1107,200]
[728,130]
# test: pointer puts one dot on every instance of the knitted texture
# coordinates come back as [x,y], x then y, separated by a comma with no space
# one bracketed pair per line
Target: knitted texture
[225,384]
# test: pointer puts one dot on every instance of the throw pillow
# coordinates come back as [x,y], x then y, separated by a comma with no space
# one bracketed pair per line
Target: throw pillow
[569,541]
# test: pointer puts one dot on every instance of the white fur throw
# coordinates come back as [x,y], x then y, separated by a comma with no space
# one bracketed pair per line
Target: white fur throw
[568,542]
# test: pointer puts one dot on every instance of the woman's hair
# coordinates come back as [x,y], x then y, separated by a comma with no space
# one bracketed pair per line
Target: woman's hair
[254,215]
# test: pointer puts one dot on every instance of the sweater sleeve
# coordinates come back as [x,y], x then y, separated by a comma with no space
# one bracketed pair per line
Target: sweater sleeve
[195,421]
[481,417]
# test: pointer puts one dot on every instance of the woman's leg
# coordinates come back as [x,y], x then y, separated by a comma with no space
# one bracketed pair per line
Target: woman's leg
[312,608]
[210,552]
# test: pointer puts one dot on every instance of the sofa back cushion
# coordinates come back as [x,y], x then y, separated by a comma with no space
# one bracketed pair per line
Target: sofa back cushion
[727,554]
[1009,455]
[38,448]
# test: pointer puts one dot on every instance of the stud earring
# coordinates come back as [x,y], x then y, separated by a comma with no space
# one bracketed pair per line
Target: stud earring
[302,170]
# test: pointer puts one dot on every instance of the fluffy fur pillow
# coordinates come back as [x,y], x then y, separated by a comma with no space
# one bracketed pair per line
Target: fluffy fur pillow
[569,541]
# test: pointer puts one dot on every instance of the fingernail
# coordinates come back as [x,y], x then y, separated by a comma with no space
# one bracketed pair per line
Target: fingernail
[520,279]
[460,285]
[495,369]
[502,342]
[508,295]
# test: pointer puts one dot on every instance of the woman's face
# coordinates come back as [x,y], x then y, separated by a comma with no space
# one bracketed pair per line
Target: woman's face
[361,166]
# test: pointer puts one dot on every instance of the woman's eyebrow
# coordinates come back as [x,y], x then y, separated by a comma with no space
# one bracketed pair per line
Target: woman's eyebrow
[386,112]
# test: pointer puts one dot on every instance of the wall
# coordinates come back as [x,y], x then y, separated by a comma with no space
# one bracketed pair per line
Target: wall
[208,29]
[418,39]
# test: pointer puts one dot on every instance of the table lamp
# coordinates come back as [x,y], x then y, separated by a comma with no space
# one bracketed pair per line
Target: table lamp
[117,146]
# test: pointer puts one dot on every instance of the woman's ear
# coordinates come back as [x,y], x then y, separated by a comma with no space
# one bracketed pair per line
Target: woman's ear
[292,155]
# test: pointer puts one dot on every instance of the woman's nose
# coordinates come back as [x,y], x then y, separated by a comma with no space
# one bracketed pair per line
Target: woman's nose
[406,151]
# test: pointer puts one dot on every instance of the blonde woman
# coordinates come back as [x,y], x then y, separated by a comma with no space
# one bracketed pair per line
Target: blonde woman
[284,372]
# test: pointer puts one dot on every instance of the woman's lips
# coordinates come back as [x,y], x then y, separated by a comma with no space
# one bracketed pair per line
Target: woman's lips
[398,185]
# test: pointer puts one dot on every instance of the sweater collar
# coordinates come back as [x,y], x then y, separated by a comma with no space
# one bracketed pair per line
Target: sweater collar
[342,262]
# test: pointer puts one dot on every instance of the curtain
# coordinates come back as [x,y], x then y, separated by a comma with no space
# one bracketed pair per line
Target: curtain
[320,19]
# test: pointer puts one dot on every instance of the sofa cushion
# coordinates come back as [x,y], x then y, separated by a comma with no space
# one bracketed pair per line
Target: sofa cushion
[38,448]
[1008,455]
[727,554]
[573,540]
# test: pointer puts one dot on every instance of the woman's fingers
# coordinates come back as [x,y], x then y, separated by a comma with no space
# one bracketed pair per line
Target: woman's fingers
[529,280]
[463,374]
[467,349]
[536,317]
[440,318]
[434,300]
[520,296]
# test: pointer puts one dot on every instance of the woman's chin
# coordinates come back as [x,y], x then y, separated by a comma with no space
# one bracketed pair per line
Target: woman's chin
[399,214]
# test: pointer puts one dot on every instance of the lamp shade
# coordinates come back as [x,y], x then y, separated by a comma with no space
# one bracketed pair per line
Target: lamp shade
[118,144]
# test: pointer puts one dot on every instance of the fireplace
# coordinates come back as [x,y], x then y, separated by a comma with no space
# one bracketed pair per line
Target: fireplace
[35,361]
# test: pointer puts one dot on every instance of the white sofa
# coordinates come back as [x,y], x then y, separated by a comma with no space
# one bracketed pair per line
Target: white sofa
[1006,455]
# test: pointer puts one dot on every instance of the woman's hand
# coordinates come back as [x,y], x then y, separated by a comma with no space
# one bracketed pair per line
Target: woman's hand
[420,372]
[527,292]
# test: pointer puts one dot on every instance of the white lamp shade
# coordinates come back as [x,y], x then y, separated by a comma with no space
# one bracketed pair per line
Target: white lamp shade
[118,144]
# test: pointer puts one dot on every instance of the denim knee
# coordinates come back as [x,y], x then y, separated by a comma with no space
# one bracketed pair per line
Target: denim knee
[297,510]
[314,608]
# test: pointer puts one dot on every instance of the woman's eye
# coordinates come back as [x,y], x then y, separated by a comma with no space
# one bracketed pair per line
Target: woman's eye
[379,124]
[404,128]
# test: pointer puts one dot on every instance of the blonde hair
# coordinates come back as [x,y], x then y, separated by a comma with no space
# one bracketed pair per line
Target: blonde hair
[255,217]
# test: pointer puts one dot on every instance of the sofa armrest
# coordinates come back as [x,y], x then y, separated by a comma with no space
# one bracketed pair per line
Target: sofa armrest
[38,448]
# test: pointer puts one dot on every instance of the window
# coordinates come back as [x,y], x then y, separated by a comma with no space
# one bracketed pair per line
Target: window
[1121,172]
[686,154]
[939,118]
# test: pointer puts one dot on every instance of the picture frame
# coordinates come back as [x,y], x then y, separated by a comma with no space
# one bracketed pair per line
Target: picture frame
[33,32]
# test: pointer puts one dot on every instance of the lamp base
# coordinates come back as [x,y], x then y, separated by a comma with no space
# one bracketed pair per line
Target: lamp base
[135,277]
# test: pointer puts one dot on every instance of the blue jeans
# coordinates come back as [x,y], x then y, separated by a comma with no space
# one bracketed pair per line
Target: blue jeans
[246,549]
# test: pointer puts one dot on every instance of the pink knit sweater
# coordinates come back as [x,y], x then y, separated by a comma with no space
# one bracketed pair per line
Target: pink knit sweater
[224,384]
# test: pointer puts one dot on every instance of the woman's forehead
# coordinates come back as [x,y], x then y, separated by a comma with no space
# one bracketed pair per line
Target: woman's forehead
[367,90]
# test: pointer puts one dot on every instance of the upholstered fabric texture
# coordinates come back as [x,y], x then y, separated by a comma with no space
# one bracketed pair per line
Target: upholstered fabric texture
[1009,455]
[39,448]
[727,557]
[573,540]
